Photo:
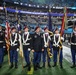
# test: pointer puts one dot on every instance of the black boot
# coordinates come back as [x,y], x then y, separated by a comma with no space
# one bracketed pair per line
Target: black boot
[43,64]
[25,66]
[61,66]
[16,65]
[29,68]
[35,67]
[38,66]
[73,66]
[49,64]
[0,65]
[11,66]
[54,64]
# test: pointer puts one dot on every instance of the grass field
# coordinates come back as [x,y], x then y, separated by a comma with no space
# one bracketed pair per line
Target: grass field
[44,71]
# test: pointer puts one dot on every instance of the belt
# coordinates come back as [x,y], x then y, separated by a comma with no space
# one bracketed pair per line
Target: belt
[73,43]
[13,44]
[1,41]
[26,43]
[55,45]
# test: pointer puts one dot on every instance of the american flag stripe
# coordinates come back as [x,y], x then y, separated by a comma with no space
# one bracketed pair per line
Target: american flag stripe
[7,31]
[7,34]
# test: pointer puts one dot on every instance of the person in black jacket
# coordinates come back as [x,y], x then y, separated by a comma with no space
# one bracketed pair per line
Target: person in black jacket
[14,47]
[73,47]
[26,39]
[37,47]
[2,45]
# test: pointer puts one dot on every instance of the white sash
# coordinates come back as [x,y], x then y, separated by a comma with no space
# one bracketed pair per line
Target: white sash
[13,42]
[27,38]
[48,38]
[56,43]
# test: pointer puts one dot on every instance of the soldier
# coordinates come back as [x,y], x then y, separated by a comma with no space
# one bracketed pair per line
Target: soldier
[26,38]
[73,47]
[14,47]
[46,39]
[57,48]
[37,47]
[2,45]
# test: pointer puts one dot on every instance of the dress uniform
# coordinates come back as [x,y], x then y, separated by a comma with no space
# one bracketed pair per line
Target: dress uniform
[2,45]
[57,48]
[14,47]
[47,40]
[37,46]
[73,47]
[26,38]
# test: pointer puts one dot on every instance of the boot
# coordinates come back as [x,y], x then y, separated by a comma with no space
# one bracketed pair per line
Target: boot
[0,65]
[11,65]
[25,66]
[49,64]
[61,66]
[16,65]
[73,66]
[43,64]
[54,64]
[38,66]
[29,67]
[35,67]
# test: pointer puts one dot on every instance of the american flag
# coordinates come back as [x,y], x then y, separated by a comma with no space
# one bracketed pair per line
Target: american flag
[7,34]
[64,21]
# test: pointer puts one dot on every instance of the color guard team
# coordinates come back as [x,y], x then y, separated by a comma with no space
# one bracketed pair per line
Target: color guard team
[43,45]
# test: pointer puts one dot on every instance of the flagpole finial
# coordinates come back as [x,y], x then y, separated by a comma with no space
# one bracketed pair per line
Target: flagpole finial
[4,3]
[49,10]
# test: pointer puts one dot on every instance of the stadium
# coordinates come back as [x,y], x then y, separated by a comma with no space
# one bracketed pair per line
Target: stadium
[43,13]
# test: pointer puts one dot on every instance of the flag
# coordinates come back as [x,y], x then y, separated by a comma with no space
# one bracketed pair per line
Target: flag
[64,22]
[18,26]
[16,13]
[50,22]
[65,17]
[7,34]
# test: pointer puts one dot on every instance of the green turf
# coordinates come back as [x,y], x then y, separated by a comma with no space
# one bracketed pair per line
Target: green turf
[44,71]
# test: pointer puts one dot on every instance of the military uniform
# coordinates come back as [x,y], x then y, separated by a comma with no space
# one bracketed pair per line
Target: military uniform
[26,38]
[37,46]
[2,45]
[57,49]
[73,48]
[14,47]
[47,40]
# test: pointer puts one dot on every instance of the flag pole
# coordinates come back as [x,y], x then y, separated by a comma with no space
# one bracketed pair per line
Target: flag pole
[21,47]
[7,40]
[21,52]
[7,44]
[63,26]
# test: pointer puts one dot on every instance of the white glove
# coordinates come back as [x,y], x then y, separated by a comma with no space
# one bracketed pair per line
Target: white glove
[29,49]
[4,47]
[17,49]
[62,38]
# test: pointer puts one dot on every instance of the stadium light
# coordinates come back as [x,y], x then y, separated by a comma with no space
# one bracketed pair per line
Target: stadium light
[30,5]
[16,3]
[42,6]
[26,4]
[21,3]
[38,6]
[46,6]
[34,5]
